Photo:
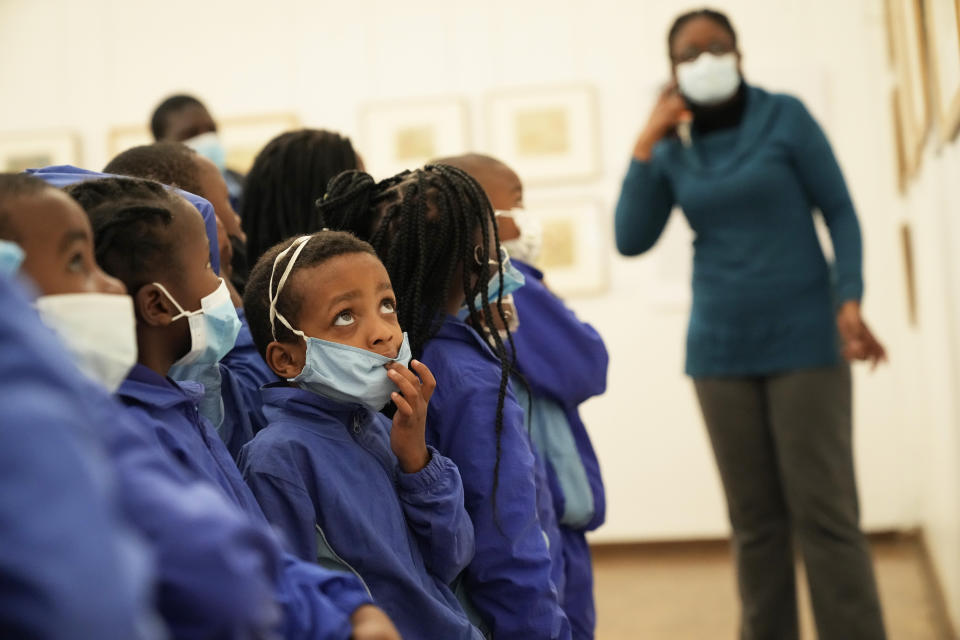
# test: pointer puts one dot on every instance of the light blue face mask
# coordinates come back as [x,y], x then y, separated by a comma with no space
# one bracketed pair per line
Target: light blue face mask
[209,146]
[333,370]
[513,279]
[213,328]
[11,257]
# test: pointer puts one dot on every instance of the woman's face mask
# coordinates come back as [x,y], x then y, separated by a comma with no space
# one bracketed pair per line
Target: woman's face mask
[709,79]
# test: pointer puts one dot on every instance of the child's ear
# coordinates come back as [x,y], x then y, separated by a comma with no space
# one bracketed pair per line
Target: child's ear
[285,359]
[152,306]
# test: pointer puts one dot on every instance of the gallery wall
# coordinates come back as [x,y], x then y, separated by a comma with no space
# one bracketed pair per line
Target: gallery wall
[91,67]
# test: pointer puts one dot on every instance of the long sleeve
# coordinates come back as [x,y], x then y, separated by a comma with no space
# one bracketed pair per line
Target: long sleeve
[643,209]
[509,579]
[287,507]
[823,180]
[559,355]
[432,501]
[212,585]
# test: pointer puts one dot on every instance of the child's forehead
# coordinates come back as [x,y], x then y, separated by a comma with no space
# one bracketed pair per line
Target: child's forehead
[50,212]
[330,278]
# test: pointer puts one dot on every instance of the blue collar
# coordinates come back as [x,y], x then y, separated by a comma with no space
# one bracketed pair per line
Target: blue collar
[455,329]
[148,387]
[280,397]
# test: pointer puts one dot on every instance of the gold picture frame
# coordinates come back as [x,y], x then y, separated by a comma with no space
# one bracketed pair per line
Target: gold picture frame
[243,136]
[943,28]
[23,150]
[908,37]
[548,135]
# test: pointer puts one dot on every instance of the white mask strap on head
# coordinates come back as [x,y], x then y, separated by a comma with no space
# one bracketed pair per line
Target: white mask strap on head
[183,312]
[298,245]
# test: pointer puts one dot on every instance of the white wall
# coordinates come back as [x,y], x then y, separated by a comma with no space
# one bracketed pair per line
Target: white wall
[89,66]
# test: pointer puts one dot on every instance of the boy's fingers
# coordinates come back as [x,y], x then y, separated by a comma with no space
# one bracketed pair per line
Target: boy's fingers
[402,405]
[407,388]
[426,376]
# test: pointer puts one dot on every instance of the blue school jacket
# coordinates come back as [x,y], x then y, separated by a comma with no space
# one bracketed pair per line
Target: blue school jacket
[324,470]
[509,580]
[316,603]
[565,360]
[69,566]
[565,363]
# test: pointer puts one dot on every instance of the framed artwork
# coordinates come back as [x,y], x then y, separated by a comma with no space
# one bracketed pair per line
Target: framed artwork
[395,136]
[242,136]
[32,150]
[125,137]
[547,135]
[910,67]
[575,252]
[943,27]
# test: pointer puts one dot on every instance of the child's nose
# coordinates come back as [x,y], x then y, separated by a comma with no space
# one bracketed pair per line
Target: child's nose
[381,336]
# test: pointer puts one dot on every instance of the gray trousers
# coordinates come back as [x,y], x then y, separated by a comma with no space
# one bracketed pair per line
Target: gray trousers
[783,444]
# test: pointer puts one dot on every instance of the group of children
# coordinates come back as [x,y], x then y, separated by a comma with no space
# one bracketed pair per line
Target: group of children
[371,432]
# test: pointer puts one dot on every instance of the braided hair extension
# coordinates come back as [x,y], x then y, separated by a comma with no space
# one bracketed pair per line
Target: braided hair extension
[716,16]
[130,219]
[424,226]
[288,176]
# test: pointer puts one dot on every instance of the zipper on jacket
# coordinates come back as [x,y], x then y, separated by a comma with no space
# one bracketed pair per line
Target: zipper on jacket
[336,558]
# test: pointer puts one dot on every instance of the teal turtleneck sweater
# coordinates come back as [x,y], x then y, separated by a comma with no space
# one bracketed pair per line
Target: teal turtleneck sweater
[764,297]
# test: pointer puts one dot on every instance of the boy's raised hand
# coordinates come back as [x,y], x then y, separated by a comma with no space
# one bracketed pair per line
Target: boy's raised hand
[409,422]
[370,623]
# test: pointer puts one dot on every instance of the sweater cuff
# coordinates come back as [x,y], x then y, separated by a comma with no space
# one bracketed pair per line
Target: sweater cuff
[435,472]
[847,292]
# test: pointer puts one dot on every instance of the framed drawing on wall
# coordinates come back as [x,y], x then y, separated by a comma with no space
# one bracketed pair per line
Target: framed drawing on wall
[242,136]
[121,138]
[547,135]
[943,27]
[399,135]
[574,255]
[910,67]
[900,158]
[32,150]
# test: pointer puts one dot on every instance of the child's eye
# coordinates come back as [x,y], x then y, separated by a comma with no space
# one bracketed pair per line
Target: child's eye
[76,263]
[388,306]
[343,319]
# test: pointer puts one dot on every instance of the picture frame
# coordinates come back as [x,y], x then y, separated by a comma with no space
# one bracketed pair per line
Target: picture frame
[909,272]
[911,69]
[548,135]
[575,254]
[398,135]
[34,149]
[943,28]
[242,136]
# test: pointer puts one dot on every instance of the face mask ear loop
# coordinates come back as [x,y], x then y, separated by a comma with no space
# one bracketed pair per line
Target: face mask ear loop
[183,313]
[298,244]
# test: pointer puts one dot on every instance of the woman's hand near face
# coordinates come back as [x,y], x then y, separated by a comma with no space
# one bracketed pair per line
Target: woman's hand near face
[407,438]
[859,342]
[670,110]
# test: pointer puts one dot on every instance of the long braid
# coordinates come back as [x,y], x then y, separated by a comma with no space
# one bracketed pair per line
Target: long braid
[422,225]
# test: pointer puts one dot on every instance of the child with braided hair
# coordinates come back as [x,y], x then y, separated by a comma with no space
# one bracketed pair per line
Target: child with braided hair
[435,232]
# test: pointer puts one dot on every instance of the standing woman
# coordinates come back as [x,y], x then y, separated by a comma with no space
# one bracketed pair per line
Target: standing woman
[770,327]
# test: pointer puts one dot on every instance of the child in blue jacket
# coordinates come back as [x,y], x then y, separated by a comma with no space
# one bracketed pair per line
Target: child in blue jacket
[345,485]
[154,242]
[436,233]
[564,361]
